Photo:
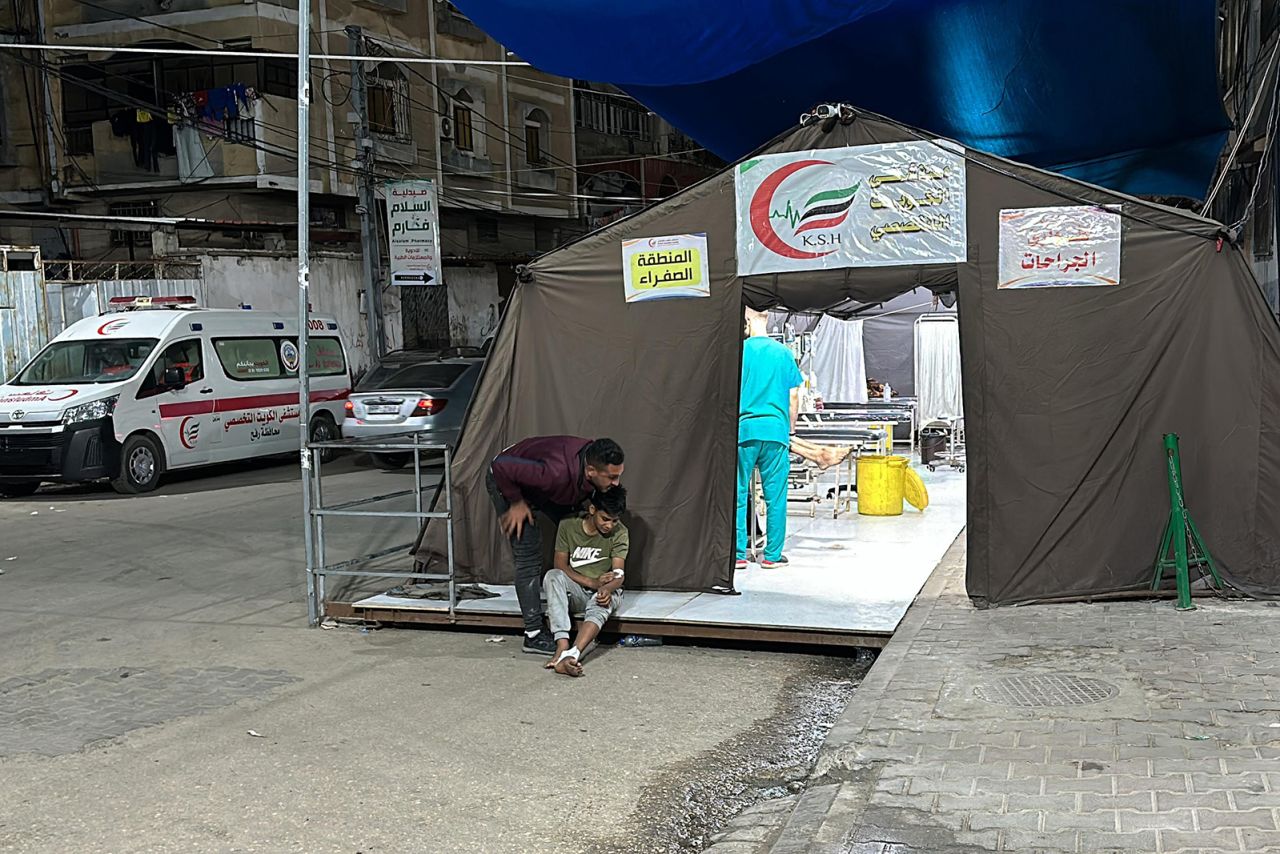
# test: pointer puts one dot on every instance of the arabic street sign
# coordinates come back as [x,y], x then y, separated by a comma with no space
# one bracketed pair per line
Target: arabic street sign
[413,222]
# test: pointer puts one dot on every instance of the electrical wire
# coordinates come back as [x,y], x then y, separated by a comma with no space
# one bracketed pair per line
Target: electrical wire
[1242,132]
[1263,163]
[248,54]
[511,189]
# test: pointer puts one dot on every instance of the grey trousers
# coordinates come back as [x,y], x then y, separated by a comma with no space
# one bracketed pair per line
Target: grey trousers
[527,551]
[564,596]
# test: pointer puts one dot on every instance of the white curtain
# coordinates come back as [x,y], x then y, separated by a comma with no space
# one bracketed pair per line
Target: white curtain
[838,362]
[938,369]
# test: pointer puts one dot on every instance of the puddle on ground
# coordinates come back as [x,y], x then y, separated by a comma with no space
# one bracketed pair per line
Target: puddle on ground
[692,800]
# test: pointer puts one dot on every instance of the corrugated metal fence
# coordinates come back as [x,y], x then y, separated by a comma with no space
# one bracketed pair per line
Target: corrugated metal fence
[39,299]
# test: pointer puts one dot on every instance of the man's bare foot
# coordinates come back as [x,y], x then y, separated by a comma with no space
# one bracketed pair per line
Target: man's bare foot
[568,667]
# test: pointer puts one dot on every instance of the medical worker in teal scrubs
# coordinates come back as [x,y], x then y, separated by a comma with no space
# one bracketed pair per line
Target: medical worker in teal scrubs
[767,408]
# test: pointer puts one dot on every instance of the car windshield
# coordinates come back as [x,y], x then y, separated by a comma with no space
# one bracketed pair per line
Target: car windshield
[402,376]
[93,361]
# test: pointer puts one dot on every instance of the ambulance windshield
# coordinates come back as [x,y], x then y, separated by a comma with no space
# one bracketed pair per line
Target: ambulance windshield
[77,362]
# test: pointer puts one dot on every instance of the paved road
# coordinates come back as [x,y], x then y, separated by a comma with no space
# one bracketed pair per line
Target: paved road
[144,638]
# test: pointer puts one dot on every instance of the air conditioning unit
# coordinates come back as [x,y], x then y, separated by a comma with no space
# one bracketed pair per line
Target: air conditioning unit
[446,127]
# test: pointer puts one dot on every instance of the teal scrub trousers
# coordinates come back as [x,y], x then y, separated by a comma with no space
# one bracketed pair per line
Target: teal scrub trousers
[774,461]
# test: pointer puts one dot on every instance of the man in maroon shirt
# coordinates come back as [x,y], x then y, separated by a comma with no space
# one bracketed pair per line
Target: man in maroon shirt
[552,475]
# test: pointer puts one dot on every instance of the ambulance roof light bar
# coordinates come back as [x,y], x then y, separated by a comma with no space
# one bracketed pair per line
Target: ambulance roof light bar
[139,303]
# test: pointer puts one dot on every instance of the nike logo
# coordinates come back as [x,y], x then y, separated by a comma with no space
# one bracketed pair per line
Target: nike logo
[584,556]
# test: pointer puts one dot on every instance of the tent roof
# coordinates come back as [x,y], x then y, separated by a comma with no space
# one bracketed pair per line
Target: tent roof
[845,293]
[1122,94]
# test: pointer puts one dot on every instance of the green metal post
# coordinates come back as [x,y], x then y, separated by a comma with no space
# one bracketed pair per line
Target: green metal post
[1177,532]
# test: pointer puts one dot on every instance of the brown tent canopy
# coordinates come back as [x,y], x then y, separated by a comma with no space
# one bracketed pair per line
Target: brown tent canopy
[1067,391]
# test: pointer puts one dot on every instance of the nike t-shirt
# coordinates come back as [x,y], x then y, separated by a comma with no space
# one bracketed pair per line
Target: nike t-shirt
[769,373]
[591,554]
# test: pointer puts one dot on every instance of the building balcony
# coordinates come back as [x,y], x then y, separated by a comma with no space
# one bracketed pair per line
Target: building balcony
[261,142]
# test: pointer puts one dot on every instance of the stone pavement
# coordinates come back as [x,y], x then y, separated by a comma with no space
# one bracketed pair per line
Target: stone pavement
[1122,727]
[60,710]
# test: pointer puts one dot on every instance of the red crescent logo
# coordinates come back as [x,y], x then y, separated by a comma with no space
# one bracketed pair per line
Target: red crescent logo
[111,326]
[762,202]
[66,395]
[182,434]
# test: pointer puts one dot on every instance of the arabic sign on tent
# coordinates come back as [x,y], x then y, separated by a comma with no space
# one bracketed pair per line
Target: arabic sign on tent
[665,267]
[1060,247]
[413,222]
[862,206]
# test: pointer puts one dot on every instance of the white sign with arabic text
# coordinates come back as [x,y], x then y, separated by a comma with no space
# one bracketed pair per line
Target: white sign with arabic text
[859,206]
[413,224]
[1061,247]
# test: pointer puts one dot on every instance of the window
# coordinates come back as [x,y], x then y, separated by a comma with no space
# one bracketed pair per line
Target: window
[75,362]
[536,128]
[616,115]
[280,77]
[325,357]
[183,355]
[430,377]
[487,229]
[1263,215]
[463,130]
[124,237]
[249,359]
[388,101]
[328,216]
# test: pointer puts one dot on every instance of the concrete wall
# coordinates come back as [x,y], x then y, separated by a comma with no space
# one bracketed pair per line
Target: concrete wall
[269,282]
[473,304]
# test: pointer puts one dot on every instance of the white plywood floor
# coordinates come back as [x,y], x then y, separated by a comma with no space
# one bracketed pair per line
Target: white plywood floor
[856,573]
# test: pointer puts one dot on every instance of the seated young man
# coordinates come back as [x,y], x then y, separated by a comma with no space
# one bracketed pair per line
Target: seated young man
[590,553]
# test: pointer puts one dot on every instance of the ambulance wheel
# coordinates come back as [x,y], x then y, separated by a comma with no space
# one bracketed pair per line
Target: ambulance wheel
[324,430]
[141,462]
[390,462]
[18,490]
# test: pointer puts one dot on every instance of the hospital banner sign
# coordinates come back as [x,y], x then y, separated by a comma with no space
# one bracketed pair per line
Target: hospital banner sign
[1060,247]
[860,206]
[668,267]
[413,230]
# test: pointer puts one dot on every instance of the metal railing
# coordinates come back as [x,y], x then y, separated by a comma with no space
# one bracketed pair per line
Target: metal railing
[317,566]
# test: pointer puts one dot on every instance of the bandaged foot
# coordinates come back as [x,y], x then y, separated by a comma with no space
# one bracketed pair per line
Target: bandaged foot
[566,663]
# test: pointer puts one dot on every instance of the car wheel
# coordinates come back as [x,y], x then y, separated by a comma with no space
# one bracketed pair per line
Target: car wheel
[141,462]
[390,462]
[324,430]
[18,490]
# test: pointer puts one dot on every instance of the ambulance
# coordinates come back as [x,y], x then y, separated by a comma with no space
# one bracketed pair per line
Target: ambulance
[160,384]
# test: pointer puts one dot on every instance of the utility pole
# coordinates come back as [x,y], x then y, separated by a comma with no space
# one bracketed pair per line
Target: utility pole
[365,199]
[55,182]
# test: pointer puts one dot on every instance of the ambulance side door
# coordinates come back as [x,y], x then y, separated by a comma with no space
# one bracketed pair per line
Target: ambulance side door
[182,411]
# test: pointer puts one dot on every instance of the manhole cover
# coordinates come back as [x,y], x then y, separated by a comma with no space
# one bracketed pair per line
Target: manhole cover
[1047,689]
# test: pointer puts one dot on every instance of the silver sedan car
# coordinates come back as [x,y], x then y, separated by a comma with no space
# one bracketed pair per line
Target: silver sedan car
[411,393]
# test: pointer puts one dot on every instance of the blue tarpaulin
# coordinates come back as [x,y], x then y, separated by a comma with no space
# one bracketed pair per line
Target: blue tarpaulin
[1122,93]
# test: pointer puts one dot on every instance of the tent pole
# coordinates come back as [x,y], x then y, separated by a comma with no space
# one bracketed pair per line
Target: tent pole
[304,308]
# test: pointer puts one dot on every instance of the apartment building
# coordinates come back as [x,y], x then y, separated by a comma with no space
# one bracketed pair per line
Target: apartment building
[210,138]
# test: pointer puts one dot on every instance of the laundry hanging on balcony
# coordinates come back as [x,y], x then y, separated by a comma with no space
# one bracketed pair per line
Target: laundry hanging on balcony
[193,158]
[150,137]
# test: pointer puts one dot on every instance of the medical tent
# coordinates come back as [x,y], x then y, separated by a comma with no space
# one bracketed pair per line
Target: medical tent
[1067,390]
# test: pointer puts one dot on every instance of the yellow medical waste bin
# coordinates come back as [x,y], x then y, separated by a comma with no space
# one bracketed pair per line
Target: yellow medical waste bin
[881,485]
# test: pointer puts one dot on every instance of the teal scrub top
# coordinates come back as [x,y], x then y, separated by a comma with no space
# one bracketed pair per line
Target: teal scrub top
[769,373]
